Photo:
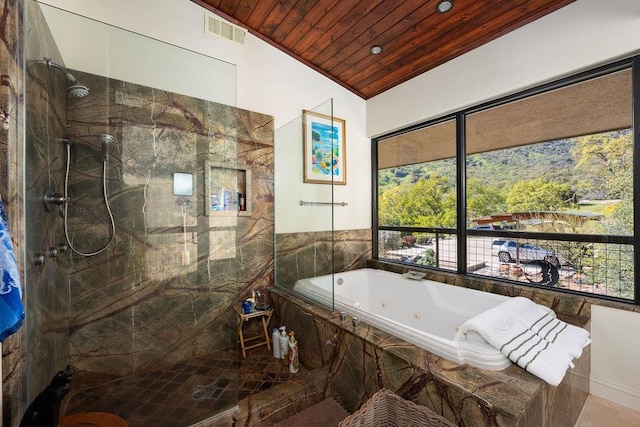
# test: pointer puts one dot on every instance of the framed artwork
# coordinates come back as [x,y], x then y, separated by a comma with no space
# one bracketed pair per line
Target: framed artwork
[324,149]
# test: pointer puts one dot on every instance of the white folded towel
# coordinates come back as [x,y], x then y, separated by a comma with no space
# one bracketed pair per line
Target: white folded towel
[528,311]
[543,321]
[515,340]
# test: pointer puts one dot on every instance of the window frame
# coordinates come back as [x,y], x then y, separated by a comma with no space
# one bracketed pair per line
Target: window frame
[461,231]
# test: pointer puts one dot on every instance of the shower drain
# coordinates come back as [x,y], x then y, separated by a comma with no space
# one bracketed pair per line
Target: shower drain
[199,393]
[208,391]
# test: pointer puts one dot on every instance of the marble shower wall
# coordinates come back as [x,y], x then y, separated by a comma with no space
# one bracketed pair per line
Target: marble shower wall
[302,255]
[163,291]
[47,296]
[11,143]
[40,348]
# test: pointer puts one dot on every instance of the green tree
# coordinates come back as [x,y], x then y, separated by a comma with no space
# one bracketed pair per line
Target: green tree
[428,259]
[621,220]
[606,159]
[613,269]
[538,195]
[483,200]
[392,204]
[431,202]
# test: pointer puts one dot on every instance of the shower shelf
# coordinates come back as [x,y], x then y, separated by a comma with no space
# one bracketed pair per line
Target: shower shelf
[227,190]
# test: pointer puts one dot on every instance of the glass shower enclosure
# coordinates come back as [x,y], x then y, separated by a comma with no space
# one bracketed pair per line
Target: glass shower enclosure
[136,205]
[309,162]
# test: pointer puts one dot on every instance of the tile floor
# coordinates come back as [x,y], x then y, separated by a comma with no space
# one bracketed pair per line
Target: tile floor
[181,395]
[189,392]
[599,412]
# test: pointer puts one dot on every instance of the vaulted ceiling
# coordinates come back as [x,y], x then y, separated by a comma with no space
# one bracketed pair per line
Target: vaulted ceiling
[335,37]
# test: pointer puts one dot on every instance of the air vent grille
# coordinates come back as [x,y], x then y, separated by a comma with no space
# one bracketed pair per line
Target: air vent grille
[219,27]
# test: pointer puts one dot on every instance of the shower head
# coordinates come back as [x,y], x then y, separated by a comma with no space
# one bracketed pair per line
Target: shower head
[77,90]
[105,139]
[74,88]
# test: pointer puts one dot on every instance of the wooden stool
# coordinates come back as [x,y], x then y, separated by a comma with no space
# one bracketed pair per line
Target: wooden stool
[97,419]
[265,315]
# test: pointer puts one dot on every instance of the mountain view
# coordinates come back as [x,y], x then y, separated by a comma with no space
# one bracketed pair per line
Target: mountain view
[585,174]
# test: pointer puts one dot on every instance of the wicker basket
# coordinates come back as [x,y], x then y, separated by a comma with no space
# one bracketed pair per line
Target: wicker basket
[386,408]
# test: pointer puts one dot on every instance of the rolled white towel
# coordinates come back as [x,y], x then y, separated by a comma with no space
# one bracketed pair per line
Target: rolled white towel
[522,346]
[543,321]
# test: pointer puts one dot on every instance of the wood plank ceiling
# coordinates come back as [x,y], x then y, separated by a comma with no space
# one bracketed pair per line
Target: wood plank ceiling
[335,37]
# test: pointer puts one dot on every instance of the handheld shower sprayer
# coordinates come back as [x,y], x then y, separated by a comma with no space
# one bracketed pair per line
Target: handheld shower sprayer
[105,139]
[74,88]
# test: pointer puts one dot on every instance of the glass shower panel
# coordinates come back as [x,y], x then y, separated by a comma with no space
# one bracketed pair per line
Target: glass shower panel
[151,310]
[305,173]
[46,326]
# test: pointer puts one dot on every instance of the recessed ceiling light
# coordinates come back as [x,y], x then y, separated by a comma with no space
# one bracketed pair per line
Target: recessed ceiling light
[376,49]
[445,6]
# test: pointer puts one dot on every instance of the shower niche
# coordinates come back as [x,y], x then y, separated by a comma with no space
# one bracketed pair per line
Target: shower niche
[227,190]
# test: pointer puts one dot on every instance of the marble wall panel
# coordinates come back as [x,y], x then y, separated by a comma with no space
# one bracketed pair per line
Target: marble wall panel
[37,93]
[46,284]
[11,145]
[302,255]
[163,291]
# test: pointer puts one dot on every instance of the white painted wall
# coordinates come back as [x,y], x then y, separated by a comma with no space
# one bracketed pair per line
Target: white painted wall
[615,374]
[577,37]
[268,81]
[105,50]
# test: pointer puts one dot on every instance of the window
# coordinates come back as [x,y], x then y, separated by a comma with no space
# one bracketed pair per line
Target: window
[548,194]
[417,196]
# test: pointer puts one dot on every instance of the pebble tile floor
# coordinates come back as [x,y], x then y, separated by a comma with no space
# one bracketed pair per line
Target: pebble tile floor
[182,394]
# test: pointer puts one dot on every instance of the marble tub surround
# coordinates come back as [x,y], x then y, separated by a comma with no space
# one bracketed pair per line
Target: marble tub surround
[362,361]
[281,401]
[142,304]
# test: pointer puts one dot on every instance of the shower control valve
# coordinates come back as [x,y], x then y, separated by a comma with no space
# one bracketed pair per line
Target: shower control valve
[53,252]
[38,259]
[51,199]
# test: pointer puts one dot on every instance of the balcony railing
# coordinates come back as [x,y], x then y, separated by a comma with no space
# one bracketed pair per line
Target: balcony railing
[598,265]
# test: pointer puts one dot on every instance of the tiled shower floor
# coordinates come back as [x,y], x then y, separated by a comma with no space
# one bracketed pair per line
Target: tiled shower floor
[182,394]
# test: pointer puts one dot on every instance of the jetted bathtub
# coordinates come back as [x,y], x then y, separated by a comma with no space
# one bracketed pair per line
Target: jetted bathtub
[422,312]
